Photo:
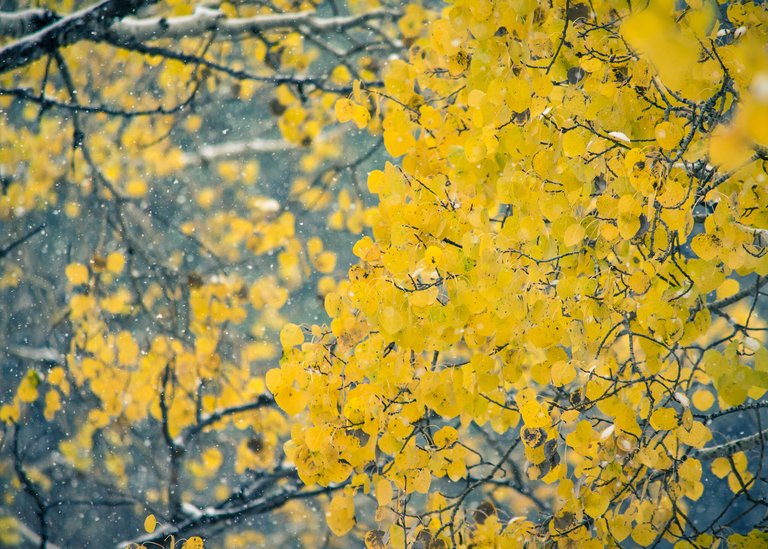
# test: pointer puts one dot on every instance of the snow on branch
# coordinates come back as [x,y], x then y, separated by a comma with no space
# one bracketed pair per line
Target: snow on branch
[729,448]
[15,24]
[87,23]
[205,20]
[235,149]
[109,19]
[27,533]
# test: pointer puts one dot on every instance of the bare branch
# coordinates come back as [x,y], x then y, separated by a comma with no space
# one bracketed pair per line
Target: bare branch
[26,94]
[261,401]
[5,250]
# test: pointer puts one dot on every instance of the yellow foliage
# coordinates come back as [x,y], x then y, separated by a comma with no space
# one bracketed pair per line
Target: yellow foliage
[77,274]
[556,297]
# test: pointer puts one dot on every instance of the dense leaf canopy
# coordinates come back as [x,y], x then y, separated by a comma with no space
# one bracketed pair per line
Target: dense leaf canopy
[551,332]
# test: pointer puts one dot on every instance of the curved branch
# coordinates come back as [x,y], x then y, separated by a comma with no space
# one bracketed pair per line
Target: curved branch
[211,516]
[83,24]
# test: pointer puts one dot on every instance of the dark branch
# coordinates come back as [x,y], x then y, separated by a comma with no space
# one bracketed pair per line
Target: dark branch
[86,23]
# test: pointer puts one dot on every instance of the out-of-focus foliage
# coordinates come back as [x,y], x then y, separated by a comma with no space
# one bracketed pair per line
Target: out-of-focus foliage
[174,185]
[553,335]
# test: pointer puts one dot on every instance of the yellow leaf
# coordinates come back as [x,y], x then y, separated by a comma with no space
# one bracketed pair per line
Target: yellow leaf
[664,419]
[212,459]
[721,467]
[325,262]
[115,262]
[620,525]
[433,256]
[639,282]
[697,436]
[574,235]
[705,246]
[52,404]
[314,246]
[728,147]
[150,523]
[563,373]
[9,413]
[127,349]
[384,492]
[344,109]
[445,436]
[423,298]
[361,116]
[366,249]
[398,142]
[291,400]
[574,143]
[644,534]
[703,399]
[340,514]
[668,135]
[136,188]
[76,273]
[376,182]
[596,503]
[27,391]
[195,542]
[291,335]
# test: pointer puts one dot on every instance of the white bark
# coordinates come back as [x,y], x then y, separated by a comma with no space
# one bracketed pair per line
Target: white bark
[205,20]
[15,24]
[111,19]
[37,354]
[235,149]
[87,23]
[732,447]
[30,535]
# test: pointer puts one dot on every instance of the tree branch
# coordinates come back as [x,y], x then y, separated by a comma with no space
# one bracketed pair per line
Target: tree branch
[88,23]
[722,303]
[732,447]
[8,248]
[27,533]
[37,354]
[235,149]
[46,102]
[212,516]
[209,419]
[102,19]
[15,24]
[206,20]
